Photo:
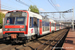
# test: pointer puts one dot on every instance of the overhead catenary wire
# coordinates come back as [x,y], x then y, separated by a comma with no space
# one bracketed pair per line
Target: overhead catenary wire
[8,7]
[56,8]
[53,5]
[32,2]
[23,3]
[14,7]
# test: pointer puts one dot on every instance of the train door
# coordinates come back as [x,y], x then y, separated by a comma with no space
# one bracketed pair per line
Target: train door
[35,22]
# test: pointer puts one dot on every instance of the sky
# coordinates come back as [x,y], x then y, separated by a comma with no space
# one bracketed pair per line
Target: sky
[43,6]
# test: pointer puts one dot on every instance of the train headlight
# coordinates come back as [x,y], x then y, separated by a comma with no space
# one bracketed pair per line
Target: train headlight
[6,29]
[22,29]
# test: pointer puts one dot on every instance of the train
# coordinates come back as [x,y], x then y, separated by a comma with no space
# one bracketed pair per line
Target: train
[23,25]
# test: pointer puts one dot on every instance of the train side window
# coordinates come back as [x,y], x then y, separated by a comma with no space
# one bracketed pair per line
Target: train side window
[31,22]
[55,24]
[35,21]
[52,24]
[43,24]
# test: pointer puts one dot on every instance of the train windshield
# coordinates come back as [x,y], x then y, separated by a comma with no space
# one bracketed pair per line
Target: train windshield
[15,20]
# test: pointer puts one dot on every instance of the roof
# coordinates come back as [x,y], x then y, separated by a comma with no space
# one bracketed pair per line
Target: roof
[4,10]
[51,20]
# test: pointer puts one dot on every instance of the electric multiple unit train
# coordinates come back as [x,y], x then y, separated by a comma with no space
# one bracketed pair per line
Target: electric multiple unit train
[23,24]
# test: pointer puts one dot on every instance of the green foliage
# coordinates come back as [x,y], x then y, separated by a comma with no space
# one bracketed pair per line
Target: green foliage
[1,18]
[34,9]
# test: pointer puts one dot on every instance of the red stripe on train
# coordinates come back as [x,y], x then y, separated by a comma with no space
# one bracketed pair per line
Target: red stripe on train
[14,26]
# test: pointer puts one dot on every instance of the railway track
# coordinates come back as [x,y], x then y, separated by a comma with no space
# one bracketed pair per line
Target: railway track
[43,43]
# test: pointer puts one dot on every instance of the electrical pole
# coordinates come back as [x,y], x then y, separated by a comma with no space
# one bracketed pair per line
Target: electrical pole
[73,19]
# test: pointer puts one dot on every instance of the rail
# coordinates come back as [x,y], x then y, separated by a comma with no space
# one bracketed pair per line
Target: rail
[48,41]
[58,42]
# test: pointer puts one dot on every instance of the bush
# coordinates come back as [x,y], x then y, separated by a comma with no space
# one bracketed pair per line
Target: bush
[1,19]
[34,9]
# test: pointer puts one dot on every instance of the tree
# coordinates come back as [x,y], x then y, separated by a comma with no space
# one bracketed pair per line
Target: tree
[34,9]
[1,18]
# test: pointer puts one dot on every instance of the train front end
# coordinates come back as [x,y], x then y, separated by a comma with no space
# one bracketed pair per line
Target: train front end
[15,25]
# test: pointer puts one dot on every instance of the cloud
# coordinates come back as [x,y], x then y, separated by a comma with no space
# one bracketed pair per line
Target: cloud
[57,5]
[41,9]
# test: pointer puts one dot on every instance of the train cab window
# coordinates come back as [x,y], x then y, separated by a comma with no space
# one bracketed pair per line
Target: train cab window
[10,20]
[20,20]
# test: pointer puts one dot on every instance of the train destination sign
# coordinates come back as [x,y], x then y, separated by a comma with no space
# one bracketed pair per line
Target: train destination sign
[16,14]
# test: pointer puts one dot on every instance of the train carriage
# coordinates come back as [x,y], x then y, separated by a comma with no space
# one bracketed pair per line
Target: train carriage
[53,25]
[62,26]
[22,24]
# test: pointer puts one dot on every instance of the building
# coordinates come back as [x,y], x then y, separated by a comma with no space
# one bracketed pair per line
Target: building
[4,11]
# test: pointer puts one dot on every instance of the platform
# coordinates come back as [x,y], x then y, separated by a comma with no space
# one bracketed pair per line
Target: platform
[69,43]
